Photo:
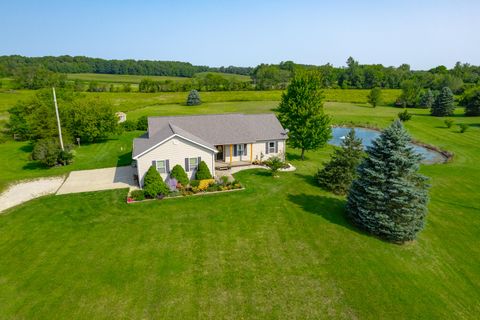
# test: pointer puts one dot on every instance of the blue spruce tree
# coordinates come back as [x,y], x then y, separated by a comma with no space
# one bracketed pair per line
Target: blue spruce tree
[389,198]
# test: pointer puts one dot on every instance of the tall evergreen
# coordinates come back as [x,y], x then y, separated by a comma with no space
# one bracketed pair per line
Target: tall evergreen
[443,105]
[389,197]
[339,172]
[193,98]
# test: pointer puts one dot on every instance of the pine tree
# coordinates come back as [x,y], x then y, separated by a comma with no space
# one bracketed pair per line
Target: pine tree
[389,197]
[339,172]
[301,112]
[203,172]
[427,99]
[194,98]
[153,184]
[443,105]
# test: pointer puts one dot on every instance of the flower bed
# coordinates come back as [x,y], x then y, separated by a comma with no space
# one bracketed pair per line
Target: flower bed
[195,187]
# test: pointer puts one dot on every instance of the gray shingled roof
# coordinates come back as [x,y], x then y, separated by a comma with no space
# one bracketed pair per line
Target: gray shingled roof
[211,130]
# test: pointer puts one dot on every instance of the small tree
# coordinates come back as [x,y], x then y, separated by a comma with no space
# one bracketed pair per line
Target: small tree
[389,197]
[410,93]
[449,123]
[427,99]
[471,102]
[338,174]
[463,127]
[194,98]
[179,174]
[48,152]
[275,163]
[443,105]
[404,116]
[153,184]
[375,96]
[301,112]
[203,172]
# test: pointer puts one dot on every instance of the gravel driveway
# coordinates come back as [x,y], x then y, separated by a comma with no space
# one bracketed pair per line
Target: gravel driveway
[28,190]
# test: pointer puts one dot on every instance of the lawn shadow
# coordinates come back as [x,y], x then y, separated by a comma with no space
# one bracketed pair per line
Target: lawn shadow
[124,159]
[26,148]
[331,209]
[310,179]
[35,165]
[263,173]
[293,156]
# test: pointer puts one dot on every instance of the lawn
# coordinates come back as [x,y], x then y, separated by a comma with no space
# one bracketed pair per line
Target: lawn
[282,248]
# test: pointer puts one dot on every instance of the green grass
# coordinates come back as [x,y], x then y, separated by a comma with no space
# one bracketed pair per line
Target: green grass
[282,248]
[237,77]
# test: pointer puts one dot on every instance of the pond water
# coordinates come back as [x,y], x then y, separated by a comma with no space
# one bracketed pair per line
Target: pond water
[368,135]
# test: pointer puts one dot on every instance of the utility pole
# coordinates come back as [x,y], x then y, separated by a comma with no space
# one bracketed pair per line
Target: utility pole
[58,119]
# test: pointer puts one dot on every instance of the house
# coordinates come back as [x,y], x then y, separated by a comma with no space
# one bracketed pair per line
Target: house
[221,140]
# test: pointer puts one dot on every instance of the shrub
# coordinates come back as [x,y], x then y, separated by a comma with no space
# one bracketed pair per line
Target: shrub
[444,104]
[204,184]
[153,184]
[48,152]
[404,116]
[203,172]
[463,127]
[471,101]
[224,180]
[194,183]
[172,184]
[142,123]
[129,125]
[449,123]
[137,195]
[179,174]
[194,98]
[375,96]
[274,163]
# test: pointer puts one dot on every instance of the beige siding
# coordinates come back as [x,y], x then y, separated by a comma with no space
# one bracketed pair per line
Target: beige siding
[175,150]
[256,150]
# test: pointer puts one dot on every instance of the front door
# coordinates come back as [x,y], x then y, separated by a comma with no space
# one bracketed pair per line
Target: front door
[220,153]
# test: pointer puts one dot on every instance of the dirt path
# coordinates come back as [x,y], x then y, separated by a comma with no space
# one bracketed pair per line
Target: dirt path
[28,190]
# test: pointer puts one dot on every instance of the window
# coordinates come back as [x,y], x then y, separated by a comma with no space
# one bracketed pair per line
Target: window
[271,147]
[240,150]
[192,164]
[161,166]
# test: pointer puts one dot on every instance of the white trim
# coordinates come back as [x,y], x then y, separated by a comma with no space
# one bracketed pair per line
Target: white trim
[170,137]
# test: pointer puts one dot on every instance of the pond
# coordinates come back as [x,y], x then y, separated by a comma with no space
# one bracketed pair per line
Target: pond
[368,135]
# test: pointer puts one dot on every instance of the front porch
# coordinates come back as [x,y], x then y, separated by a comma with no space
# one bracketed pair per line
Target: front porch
[221,165]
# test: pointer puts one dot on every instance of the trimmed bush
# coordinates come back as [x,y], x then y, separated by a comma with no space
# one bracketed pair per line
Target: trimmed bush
[153,184]
[194,183]
[204,184]
[179,174]
[203,172]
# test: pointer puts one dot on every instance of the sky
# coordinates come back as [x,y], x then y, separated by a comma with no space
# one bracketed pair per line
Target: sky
[422,33]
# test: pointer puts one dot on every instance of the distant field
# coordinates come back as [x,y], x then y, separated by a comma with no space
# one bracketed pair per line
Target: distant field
[118,78]
[238,77]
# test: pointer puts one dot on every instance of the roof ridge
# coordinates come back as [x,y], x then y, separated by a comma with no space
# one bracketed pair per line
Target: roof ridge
[213,114]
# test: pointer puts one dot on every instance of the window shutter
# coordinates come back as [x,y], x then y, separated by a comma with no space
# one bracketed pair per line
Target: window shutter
[199,160]
[235,151]
[266,147]
[167,166]
[276,146]
[186,165]
[154,163]
[244,149]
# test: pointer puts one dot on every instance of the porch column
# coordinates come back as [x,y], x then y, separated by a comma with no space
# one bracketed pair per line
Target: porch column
[251,152]
[231,152]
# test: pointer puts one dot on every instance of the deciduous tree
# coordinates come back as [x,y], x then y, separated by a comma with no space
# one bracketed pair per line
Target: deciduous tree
[301,112]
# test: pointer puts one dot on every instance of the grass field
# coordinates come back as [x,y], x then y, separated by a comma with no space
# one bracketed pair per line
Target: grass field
[279,249]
